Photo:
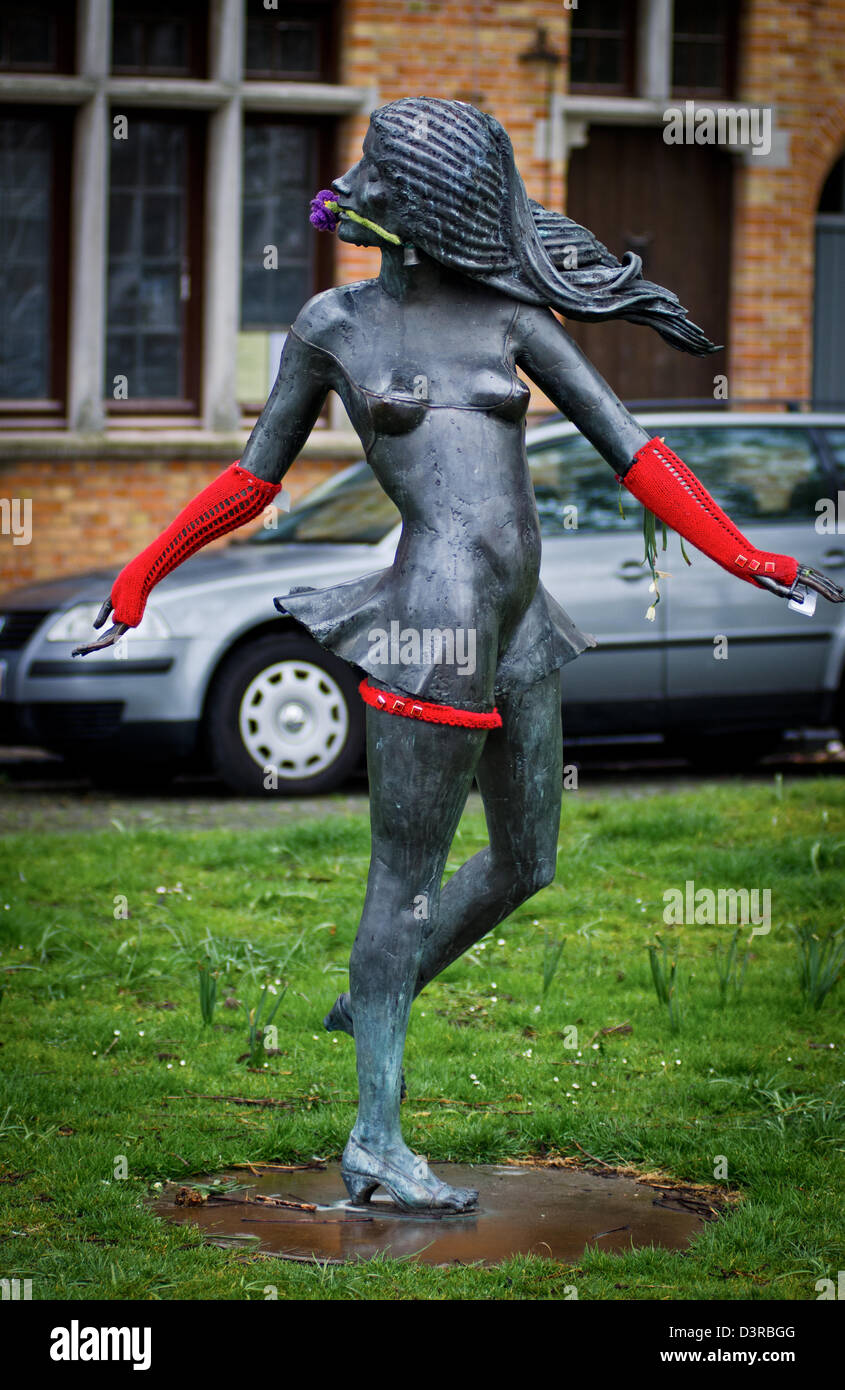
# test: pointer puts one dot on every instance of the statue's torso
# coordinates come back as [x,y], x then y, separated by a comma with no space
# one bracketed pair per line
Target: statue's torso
[432,391]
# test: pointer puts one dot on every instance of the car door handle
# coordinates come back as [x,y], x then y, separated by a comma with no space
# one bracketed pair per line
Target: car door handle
[834,559]
[632,570]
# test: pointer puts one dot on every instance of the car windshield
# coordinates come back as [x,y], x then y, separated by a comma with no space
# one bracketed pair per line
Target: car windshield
[356,511]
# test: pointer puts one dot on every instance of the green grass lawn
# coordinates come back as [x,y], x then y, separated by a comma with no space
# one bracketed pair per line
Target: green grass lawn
[104,1051]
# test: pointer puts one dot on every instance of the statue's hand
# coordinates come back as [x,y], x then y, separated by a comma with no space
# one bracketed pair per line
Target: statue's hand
[814,579]
[806,578]
[109,638]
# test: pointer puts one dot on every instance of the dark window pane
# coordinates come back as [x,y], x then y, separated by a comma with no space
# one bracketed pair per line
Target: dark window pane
[36,36]
[167,45]
[280,175]
[127,44]
[609,13]
[126,158]
[705,21]
[160,306]
[701,47]
[160,362]
[300,48]
[162,225]
[601,45]
[124,223]
[683,64]
[121,356]
[124,292]
[578,57]
[32,41]
[257,46]
[609,61]
[148,249]
[167,37]
[26,192]
[294,42]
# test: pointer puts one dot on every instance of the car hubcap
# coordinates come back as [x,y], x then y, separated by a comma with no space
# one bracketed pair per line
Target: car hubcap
[293,718]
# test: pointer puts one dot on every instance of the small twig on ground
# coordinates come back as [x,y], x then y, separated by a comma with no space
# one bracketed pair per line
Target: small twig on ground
[592,1156]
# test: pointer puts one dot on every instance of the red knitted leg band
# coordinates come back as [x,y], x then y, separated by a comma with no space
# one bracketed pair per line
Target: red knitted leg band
[230,500]
[406,705]
[664,484]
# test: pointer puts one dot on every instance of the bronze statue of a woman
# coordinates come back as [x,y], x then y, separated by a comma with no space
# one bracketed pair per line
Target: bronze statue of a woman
[424,361]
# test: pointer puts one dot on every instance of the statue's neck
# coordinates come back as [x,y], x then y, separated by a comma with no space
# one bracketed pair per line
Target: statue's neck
[402,281]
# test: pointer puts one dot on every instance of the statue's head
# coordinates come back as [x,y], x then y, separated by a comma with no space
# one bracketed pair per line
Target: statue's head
[438,174]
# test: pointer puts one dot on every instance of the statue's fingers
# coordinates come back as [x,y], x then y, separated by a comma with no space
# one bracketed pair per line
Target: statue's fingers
[103,613]
[107,640]
[765,581]
[828,588]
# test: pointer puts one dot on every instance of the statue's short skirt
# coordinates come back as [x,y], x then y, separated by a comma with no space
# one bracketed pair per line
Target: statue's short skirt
[353,620]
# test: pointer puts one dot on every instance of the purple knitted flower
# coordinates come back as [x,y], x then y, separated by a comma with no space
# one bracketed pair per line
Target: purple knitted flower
[323,218]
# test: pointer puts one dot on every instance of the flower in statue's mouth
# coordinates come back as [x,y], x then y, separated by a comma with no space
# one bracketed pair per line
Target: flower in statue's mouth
[326,213]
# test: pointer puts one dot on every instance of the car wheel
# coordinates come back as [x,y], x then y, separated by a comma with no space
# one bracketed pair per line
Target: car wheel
[284,717]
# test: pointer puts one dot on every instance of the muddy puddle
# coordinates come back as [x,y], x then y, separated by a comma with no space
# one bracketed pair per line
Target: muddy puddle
[557,1213]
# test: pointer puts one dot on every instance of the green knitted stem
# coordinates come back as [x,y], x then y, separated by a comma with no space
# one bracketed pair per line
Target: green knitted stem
[364,221]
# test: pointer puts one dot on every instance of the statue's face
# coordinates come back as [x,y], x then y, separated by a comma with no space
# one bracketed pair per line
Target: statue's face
[363,190]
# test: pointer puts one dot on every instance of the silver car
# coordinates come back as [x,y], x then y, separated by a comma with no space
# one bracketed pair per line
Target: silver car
[214,677]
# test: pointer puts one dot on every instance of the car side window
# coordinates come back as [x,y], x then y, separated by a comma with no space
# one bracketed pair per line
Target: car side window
[576,491]
[836,444]
[757,473]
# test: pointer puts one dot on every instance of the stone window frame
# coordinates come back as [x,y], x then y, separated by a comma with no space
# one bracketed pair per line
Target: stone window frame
[225,95]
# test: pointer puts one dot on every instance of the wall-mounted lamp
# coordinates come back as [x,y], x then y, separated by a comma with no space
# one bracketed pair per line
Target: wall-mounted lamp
[542,55]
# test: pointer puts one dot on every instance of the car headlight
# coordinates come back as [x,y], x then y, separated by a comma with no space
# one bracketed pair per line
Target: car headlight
[77,625]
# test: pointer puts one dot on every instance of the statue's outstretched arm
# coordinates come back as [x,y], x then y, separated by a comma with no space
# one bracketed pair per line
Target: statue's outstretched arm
[655,475]
[238,495]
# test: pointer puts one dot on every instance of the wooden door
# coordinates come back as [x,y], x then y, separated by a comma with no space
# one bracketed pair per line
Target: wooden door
[672,205]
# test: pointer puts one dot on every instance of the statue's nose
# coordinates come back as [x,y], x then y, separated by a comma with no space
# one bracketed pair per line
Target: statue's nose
[343,183]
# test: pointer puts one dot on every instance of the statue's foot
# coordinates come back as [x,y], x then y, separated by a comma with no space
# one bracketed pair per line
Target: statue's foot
[407,1178]
[339,1020]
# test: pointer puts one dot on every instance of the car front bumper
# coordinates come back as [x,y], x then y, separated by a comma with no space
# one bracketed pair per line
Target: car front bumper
[148,704]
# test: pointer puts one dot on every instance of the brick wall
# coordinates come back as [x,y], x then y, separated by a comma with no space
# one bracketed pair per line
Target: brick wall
[92,514]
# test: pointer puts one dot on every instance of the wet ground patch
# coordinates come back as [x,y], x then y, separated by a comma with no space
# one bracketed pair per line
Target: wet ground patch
[539,1207]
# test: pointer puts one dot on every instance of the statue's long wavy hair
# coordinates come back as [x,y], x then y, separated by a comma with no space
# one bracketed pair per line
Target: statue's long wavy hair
[451,168]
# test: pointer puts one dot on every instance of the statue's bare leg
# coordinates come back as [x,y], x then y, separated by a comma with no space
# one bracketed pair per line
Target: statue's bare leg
[520,774]
[420,775]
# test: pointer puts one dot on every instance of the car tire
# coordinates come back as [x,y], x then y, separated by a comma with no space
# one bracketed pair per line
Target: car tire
[284,718]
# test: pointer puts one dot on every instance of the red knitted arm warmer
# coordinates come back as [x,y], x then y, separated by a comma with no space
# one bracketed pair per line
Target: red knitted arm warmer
[230,500]
[664,484]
